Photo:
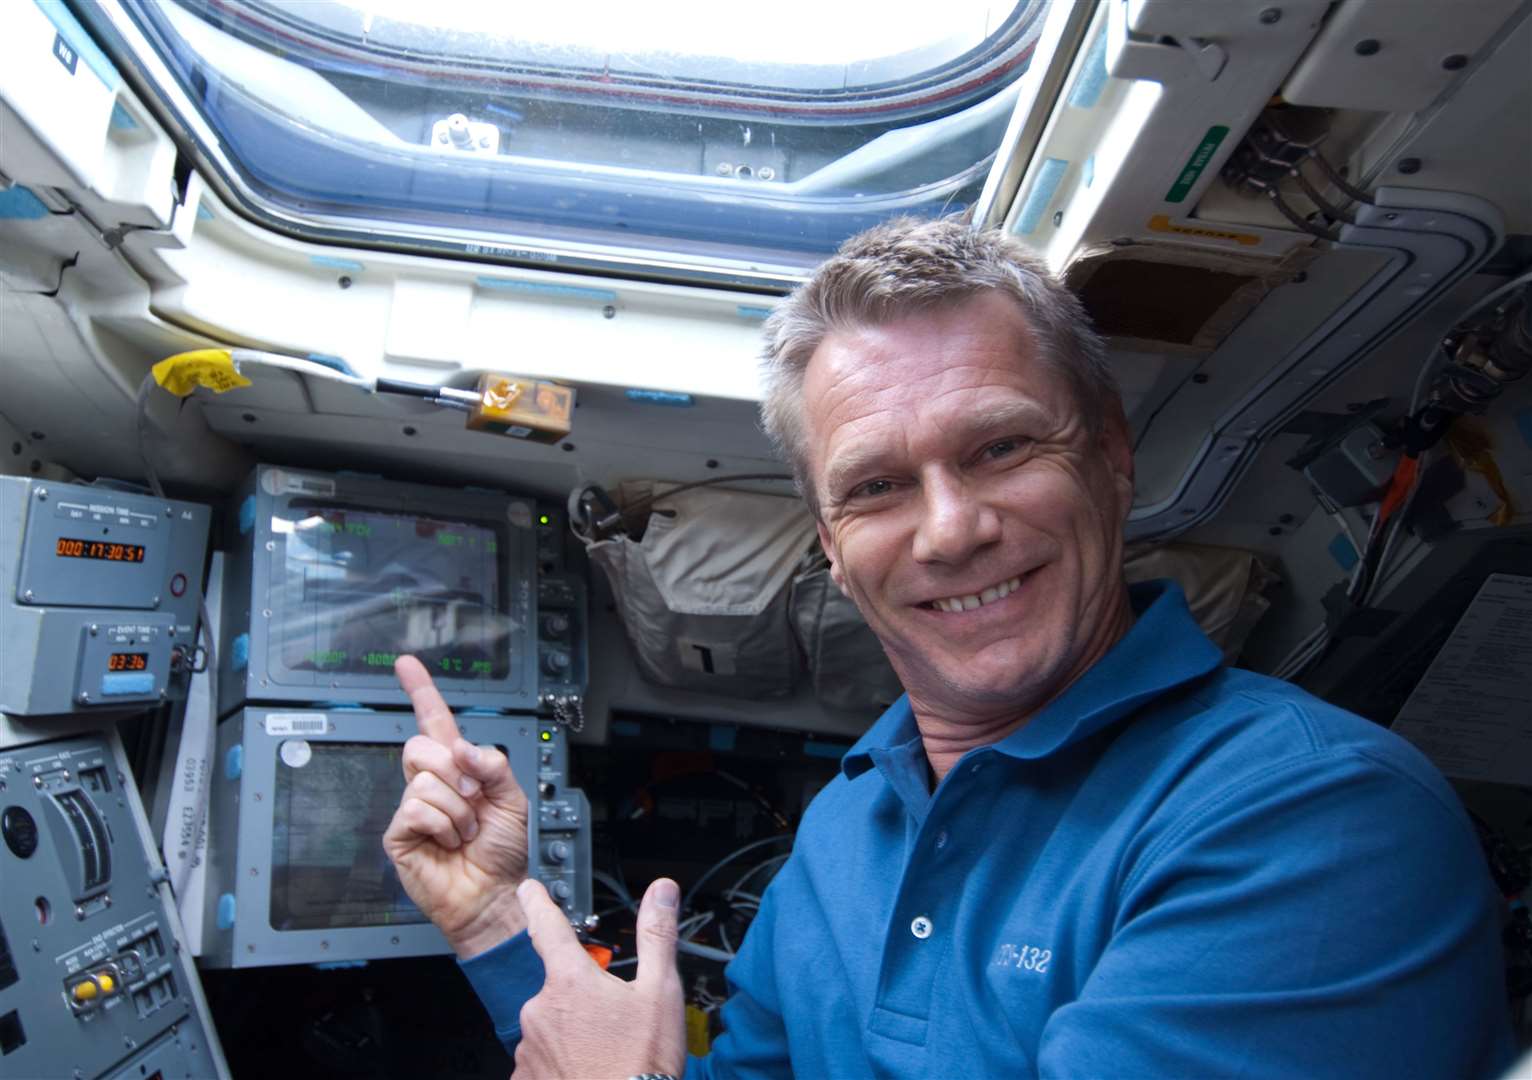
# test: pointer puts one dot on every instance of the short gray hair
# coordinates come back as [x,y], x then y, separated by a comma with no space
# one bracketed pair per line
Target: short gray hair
[909,265]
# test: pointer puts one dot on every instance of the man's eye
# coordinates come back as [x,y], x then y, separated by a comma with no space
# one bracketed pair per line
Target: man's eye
[1002,448]
[872,489]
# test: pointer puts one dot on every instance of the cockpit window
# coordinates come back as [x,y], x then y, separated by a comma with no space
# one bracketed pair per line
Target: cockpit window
[702,138]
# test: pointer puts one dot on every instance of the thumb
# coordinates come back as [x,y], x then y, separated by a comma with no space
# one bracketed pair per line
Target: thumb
[657,932]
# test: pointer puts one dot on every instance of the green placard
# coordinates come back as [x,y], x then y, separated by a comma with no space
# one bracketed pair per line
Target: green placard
[1196,163]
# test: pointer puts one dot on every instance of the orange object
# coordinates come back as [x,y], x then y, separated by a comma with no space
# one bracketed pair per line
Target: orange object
[522,408]
[600,954]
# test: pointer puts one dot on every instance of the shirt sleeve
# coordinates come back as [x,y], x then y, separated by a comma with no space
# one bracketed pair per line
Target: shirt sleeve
[1330,916]
[506,978]
[754,1041]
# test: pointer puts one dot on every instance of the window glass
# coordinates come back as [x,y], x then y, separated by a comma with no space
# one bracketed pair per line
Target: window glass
[685,134]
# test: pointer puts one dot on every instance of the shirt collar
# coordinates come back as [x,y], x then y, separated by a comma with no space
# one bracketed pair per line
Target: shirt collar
[1163,649]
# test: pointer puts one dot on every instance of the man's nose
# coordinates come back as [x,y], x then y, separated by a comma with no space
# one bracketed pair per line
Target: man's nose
[954,521]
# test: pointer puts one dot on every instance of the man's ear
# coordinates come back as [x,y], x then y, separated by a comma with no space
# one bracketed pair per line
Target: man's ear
[831,554]
[1116,443]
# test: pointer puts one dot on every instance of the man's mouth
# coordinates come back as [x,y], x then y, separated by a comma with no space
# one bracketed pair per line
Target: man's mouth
[971,601]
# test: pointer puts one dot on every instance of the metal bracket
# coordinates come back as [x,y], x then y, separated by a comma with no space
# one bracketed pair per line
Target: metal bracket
[1433,240]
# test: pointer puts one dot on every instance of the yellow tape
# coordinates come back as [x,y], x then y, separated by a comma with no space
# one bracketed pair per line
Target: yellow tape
[1162,223]
[212,368]
[1470,445]
[698,1041]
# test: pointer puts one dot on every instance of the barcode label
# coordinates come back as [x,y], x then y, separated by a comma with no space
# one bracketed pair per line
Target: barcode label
[297,723]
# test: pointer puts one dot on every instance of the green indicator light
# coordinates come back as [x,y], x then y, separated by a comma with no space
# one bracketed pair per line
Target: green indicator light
[544,519]
[547,736]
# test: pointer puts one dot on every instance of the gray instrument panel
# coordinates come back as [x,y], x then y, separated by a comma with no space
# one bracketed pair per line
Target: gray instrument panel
[93,979]
[299,802]
[99,591]
[332,576]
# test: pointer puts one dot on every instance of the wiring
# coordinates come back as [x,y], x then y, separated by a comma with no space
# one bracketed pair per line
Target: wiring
[725,861]
[1351,191]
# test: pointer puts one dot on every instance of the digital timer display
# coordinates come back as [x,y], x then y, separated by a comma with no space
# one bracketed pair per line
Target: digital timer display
[128,661]
[105,550]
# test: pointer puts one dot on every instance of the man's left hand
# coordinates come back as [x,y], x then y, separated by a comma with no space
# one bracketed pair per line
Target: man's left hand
[587,1023]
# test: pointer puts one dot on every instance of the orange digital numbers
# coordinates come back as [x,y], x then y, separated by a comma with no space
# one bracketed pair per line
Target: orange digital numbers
[70,548]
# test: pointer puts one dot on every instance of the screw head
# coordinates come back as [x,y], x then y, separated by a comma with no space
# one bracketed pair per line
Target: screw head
[1201,377]
[1058,218]
[609,312]
[724,169]
[1454,62]
[27,596]
[1408,166]
[766,172]
[1271,16]
[94,629]
[1367,47]
[42,493]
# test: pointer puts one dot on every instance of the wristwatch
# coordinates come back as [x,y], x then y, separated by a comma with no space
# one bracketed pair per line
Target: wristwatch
[653,1076]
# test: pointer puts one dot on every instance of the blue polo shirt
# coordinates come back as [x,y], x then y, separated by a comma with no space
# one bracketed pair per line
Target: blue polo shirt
[1174,869]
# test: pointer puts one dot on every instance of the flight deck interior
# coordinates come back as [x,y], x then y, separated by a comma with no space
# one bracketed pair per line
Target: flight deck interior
[341,330]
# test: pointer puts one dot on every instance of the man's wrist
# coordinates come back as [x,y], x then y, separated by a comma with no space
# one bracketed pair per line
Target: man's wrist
[497,922]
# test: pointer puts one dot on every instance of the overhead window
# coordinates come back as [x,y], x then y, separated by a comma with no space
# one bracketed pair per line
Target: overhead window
[688,137]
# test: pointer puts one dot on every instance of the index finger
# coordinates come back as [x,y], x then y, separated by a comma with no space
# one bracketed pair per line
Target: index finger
[548,926]
[431,712]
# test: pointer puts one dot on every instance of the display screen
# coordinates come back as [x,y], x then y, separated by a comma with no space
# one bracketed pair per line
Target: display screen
[328,870]
[128,661]
[359,587]
[105,550]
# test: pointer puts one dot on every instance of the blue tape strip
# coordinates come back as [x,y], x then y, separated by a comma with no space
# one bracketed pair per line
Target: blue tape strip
[721,737]
[747,311]
[543,288]
[661,397]
[334,363]
[1049,176]
[1342,552]
[121,119]
[833,751]
[628,729]
[1524,425]
[247,515]
[234,762]
[239,653]
[70,30]
[226,909]
[339,965]
[341,706]
[1093,75]
[332,262]
[19,204]
[1089,170]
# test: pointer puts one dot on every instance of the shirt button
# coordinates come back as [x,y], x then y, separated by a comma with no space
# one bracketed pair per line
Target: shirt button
[920,926]
[941,839]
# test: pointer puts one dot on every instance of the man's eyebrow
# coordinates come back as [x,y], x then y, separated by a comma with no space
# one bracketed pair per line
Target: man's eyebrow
[1018,417]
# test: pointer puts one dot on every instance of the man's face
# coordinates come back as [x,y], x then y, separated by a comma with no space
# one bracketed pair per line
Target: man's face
[968,511]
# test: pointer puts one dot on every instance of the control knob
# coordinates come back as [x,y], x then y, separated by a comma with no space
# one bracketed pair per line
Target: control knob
[555,851]
[560,890]
[556,662]
[555,625]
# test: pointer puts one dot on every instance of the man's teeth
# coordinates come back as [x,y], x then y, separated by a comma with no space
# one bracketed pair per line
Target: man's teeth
[975,600]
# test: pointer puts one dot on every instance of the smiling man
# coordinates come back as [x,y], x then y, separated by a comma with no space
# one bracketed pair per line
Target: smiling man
[1080,845]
